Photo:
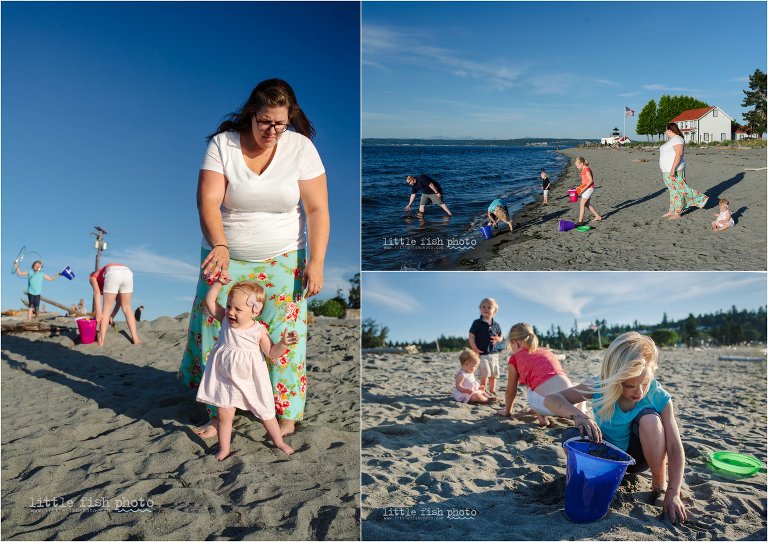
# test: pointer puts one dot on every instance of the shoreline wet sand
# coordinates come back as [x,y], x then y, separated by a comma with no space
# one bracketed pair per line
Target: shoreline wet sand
[631,198]
[436,469]
[91,435]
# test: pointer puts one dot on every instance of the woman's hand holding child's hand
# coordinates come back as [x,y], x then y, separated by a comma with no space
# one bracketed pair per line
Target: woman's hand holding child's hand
[289,337]
[224,278]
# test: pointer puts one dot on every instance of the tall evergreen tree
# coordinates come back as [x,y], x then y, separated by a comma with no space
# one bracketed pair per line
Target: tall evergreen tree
[756,97]
[646,120]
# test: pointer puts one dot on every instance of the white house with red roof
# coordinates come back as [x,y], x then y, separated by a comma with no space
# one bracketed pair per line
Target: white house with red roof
[704,125]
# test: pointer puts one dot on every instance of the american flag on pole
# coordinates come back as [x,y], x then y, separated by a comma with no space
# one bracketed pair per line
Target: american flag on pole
[628,112]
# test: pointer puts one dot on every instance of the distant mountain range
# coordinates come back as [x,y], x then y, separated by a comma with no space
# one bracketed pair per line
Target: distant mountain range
[520,142]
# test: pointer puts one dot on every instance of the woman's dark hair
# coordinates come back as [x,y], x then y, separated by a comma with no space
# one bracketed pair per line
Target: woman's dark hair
[672,127]
[269,93]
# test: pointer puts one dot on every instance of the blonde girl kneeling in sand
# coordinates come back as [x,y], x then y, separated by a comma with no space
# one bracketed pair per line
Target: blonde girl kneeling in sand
[633,412]
[236,375]
[467,389]
[536,368]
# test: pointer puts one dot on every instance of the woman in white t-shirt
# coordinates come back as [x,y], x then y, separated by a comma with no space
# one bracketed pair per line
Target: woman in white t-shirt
[261,187]
[672,164]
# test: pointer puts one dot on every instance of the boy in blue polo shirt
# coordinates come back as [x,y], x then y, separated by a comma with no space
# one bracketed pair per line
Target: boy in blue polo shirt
[486,340]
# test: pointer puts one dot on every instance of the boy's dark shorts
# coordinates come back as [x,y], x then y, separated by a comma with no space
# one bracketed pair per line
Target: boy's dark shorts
[34,301]
[635,448]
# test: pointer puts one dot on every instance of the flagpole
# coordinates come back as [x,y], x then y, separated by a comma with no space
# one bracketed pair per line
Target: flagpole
[625,122]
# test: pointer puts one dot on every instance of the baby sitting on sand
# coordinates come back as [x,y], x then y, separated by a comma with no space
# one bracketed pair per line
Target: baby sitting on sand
[467,389]
[723,219]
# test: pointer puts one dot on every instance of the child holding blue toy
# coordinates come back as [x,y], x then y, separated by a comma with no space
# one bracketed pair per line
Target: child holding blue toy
[633,412]
[35,278]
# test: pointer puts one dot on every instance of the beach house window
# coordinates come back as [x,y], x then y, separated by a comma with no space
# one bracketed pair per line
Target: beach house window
[706,138]
[714,112]
[722,136]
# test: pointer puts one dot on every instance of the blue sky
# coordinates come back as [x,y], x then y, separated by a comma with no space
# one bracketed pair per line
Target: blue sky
[424,305]
[549,69]
[105,107]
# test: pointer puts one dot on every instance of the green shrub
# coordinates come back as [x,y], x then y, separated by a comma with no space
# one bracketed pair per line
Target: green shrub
[331,307]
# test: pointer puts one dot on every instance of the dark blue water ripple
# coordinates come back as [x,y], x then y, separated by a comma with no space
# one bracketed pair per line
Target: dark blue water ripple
[471,178]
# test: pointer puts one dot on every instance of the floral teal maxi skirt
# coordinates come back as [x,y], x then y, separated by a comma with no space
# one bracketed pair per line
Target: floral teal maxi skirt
[285,308]
[682,196]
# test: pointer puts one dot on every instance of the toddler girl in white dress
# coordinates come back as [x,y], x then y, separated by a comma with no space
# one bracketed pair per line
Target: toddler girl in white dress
[236,375]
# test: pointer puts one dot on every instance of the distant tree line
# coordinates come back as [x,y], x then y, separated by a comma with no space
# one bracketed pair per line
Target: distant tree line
[520,142]
[717,329]
[336,306]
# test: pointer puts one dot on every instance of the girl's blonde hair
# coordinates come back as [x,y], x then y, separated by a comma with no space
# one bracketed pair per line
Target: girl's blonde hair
[466,355]
[491,301]
[723,200]
[524,333]
[248,288]
[582,160]
[627,357]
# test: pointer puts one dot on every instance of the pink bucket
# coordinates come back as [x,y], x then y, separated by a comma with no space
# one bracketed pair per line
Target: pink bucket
[572,194]
[87,329]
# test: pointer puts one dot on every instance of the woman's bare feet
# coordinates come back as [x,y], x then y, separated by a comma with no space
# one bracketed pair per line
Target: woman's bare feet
[205,431]
[674,217]
[287,450]
[287,427]
[598,218]
[668,213]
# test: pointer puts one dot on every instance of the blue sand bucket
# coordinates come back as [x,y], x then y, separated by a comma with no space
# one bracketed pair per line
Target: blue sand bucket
[566,225]
[591,481]
[487,232]
[67,272]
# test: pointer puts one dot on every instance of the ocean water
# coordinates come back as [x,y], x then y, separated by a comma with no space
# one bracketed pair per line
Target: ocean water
[471,178]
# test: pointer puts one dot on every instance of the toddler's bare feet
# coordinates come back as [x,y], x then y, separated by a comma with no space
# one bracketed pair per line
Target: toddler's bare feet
[287,427]
[285,448]
[223,453]
[206,431]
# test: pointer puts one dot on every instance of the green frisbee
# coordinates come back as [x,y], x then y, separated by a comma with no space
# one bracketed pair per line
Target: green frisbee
[735,463]
[583,228]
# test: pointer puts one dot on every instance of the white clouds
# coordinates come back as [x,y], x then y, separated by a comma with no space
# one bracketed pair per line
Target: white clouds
[666,88]
[555,292]
[141,260]
[377,292]
[389,44]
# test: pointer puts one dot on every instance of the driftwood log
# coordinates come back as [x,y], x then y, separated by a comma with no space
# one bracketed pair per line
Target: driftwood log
[34,325]
[50,302]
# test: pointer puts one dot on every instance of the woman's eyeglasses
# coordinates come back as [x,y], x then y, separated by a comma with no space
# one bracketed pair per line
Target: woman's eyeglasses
[264,126]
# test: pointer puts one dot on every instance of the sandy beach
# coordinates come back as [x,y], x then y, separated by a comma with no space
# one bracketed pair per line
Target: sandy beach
[631,198]
[90,436]
[467,474]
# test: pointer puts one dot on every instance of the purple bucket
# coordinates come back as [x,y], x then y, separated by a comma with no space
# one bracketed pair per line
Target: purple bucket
[566,225]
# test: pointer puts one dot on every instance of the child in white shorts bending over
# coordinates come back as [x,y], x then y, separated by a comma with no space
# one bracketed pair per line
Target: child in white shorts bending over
[485,339]
[467,389]
[536,368]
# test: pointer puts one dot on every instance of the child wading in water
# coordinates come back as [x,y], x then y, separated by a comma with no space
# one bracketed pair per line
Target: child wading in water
[633,412]
[484,336]
[236,375]
[586,189]
[537,368]
[723,220]
[467,389]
